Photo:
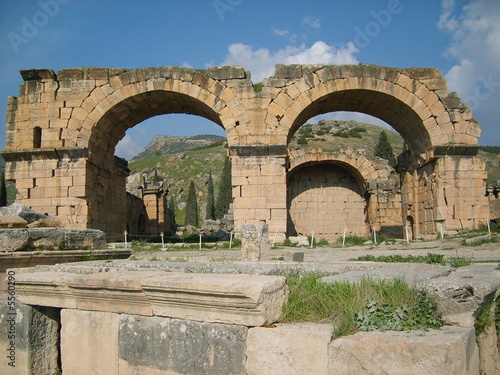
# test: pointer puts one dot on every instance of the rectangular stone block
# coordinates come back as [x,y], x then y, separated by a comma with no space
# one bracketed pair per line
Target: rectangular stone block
[154,345]
[248,300]
[45,289]
[89,342]
[28,338]
[288,349]
[448,351]
[113,292]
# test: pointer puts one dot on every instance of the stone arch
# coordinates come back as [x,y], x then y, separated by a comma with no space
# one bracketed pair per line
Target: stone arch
[414,101]
[134,96]
[113,109]
[81,113]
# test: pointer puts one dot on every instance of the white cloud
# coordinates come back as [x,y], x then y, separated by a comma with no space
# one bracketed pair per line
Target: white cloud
[313,23]
[475,43]
[127,148]
[261,62]
[285,34]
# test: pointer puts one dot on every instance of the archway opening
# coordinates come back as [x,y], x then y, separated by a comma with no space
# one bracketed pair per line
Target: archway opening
[385,107]
[133,120]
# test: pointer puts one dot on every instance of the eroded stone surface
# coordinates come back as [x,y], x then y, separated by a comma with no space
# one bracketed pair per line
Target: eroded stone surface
[288,349]
[180,346]
[449,351]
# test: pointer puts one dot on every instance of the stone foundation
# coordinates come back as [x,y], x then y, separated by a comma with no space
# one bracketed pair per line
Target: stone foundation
[113,321]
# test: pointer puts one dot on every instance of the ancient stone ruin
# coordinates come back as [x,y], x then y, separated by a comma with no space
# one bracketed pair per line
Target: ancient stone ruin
[63,127]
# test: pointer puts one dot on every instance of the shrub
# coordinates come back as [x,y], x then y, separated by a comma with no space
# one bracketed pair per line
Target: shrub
[302,141]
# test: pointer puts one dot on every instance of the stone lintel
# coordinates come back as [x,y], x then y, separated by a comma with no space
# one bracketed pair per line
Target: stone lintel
[37,74]
[45,289]
[455,150]
[258,150]
[45,154]
[118,292]
[248,300]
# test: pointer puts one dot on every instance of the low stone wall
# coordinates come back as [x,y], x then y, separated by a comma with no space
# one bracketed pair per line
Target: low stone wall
[112,321]
[51,238]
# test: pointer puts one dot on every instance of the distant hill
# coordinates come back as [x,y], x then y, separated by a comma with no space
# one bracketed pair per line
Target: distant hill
[168,144]
[336,135]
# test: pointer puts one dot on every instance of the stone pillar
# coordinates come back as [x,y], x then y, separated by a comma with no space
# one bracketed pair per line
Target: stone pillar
[259,186]
[52,181]
[461,202]
[254,242]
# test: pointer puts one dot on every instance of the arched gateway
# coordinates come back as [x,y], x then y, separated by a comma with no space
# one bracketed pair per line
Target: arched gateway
[63,128]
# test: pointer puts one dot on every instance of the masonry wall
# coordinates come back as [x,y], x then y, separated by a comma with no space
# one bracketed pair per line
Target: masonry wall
[324,200]
[259,186]
[87,111]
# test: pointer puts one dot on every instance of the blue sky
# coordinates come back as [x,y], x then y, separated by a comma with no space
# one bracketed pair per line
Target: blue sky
[460,38]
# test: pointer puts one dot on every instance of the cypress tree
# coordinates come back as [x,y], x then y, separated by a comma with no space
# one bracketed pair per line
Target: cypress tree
[383,149]
[192,206]
[210,214]
[3,190]
[225,196]
[172,208]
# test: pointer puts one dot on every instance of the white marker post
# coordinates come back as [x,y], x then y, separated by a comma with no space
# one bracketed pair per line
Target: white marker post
[274,240]
[200,241]
[312,240]
[407,229]
[231,240]
[162,242]
[374,234]
[489,226]
[343,239]
[125,234]
[441,229]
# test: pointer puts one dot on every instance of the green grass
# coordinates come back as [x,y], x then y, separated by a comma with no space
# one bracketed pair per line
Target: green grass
[352,240]
[429,258]
[363,305]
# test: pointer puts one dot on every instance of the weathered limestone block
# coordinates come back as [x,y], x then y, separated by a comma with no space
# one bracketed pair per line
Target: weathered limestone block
[70,239]
[489,353]
[13,239]
[254,242]
[460,295]
[50,238]
[16,209]
[232,299]
[153,345]
[34,348]
[45,289]
[89,342]
[451,350]
[288,349]
[112,291]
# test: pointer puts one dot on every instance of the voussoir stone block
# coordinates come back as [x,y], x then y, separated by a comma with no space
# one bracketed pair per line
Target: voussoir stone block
[248,300]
